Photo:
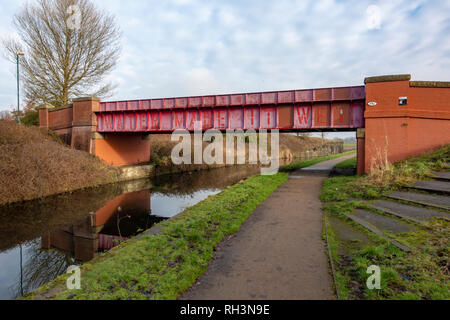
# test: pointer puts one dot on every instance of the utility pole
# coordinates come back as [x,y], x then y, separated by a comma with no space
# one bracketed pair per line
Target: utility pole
[18,86]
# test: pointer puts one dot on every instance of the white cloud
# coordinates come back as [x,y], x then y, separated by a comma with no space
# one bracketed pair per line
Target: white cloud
[229,18]
[181,47]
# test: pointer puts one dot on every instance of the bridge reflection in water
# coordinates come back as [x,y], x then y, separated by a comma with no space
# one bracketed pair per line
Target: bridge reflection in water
[119,219]
[40,239]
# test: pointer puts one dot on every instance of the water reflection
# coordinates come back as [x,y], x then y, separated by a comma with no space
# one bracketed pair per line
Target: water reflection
[49,255]
[119,219]
[40,239]
[39,267]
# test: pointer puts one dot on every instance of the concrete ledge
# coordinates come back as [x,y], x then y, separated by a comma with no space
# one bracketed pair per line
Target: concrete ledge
[81,99]
[388,78]
[430,84]
[45,106]
[98,136]
[69,106]
[82,124]
[136,172]
[136,185]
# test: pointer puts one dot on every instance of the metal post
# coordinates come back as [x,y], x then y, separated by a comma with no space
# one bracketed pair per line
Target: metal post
[18,88]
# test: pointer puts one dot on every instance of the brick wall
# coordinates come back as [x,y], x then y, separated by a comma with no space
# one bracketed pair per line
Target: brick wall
[405,130]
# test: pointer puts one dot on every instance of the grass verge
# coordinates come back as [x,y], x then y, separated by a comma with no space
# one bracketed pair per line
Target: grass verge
[421,274]
[307,163]
[347,164]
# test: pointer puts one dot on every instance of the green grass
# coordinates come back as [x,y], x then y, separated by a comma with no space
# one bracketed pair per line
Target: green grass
[343,188]
[341,279]
[307,163]
[421,274]
[378,184]
[347,164]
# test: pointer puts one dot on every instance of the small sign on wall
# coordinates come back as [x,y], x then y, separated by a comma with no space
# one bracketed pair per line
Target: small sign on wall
[402,101]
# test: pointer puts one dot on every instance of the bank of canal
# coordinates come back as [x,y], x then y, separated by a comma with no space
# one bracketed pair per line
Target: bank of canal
[40,239]
[51,234]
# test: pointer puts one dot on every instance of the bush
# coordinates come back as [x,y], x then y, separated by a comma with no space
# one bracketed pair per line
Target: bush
[30,118]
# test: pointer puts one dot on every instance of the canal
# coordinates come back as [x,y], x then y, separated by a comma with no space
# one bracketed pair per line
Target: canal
[40,239]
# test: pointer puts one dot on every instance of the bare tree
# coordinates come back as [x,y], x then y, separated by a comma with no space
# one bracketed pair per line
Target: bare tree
[70,46]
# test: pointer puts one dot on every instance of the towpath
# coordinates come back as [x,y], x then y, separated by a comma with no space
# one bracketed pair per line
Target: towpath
[278,253]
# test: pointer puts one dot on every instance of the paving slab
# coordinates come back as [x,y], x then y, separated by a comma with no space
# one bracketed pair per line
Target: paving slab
[378,232]
[434,186]
[408,212]
[347,233]
[437,201]
[384,223]
[445,176]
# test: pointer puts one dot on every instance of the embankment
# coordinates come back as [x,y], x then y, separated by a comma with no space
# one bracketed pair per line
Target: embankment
[34,165]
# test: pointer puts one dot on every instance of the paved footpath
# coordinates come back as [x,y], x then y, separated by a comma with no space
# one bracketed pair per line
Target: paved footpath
[278,253]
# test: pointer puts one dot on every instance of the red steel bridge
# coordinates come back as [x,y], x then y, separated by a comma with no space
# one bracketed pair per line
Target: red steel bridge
[413,116]
[337,109]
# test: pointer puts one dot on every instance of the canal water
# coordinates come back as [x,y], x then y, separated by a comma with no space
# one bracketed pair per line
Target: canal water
[40,239]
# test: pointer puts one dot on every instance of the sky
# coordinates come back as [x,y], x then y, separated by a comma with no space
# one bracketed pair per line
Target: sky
[192,47]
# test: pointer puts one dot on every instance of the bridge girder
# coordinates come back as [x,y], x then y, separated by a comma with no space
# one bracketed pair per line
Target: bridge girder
[339,109]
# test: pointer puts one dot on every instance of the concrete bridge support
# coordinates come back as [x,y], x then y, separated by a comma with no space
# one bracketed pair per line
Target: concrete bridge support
[121,149]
